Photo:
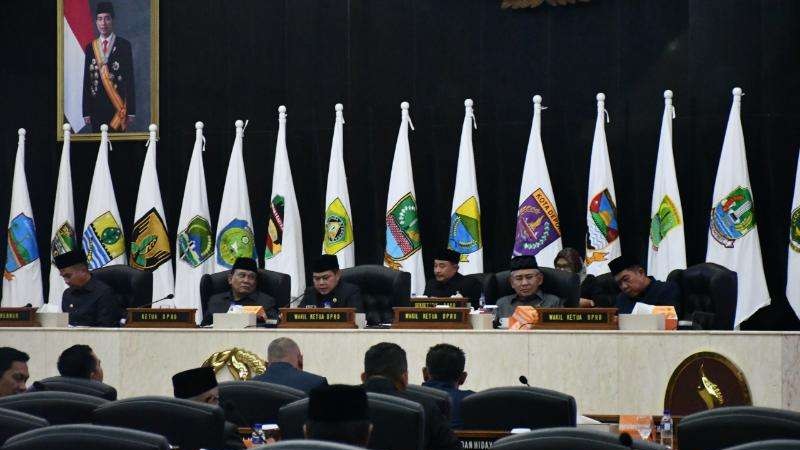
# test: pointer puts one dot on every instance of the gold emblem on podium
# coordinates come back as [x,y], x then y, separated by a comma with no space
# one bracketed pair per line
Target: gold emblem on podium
[703,381]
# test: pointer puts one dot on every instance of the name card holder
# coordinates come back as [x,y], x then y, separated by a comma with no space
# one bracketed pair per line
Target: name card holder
[576,319]
[18,317]
[317,318]
[438,318]
[433,302]
[161,318]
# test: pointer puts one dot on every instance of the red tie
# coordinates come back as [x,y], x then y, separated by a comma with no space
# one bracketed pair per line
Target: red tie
[105,45]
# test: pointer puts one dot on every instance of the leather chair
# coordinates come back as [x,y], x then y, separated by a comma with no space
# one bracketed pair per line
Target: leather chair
[605,291]
[569,439]
[397,423]
[505,408]
[307,444]
[720,428]
[441,398]
[56,407]
[382,289]
[134,287]
[708,295]
[557,282]
[184,423]
[79,386]
[275,284]
[250,402]
[86,437]
[13,423]
[773,444]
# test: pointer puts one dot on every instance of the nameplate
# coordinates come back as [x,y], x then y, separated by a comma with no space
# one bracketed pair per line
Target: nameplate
[317,318]
[577,318]
[18,317]
[161,318]
[433,302]
[421,318]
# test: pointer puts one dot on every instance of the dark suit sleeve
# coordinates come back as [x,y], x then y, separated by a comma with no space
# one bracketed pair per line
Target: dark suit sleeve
[109,309]
[427,291]
[269,304]
[440,435]
[214,306]
[87,83]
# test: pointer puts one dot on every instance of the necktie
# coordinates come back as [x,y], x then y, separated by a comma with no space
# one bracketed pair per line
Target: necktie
[105,45]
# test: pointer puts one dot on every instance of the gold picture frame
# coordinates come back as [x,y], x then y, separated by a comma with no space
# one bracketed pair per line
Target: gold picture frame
[140,124]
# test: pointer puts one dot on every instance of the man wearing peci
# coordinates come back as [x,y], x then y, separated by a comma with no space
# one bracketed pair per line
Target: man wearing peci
[447,281]
[243,279]
[89,301]
[526,280]
[328,290]
[637,287]
[108,87]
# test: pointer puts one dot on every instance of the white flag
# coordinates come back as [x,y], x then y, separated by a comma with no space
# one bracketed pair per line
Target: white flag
[150,247]
[667,250]
[284,249]
[62,233]
[195,241]
[538,231]
[465,214]
[22,279]
[793,273]
[338,228]
[235,225]
[103,238]
[732,232]
[403,243]
[602,236]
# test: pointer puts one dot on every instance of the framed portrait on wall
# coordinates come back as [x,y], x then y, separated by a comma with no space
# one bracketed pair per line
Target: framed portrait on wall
[107,68]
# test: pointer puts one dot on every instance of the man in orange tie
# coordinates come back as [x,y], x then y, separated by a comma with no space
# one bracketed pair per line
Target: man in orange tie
[108,87]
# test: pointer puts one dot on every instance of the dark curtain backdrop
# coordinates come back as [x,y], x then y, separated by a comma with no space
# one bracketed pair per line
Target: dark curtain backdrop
[222,60]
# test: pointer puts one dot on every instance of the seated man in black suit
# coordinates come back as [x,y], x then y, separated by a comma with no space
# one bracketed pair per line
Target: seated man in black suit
[328,290]
[386,372]
[338,413]
[447,281]
[89,301]
[285,367]
[444,370]
[80,361]
[637,287]
[243,279]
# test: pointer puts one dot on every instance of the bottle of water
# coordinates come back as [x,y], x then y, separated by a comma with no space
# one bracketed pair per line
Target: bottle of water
[257,438]
[666,429]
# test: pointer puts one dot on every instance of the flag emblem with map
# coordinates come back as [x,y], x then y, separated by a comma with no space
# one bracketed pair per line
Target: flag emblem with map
[149,244]
[63,240]
[603,229]
[275,227]
[663,221]
[235,241]
[103,241]
[338,228]
[537,224]
[196,242]
[22,248]
[733,217]
[465,228]
[402,231]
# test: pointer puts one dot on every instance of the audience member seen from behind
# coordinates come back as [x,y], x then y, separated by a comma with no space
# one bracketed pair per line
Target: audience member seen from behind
[386,372]
[338,413]
[637,287]
[568,259]
[200,385]
[80,361]
[286,367]
[444,370]
[13,371]
[525,279]
[89,301]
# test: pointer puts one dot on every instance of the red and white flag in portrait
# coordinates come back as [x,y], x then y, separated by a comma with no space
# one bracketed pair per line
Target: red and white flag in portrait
[78,33]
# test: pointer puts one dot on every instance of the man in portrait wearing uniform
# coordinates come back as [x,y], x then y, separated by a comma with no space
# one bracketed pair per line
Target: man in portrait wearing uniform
[108,87]
[243,280]
[526,280]
[328,290]
[89,301]
[447,281]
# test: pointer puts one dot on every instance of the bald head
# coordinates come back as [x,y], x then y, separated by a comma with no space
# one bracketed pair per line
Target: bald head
[285,350]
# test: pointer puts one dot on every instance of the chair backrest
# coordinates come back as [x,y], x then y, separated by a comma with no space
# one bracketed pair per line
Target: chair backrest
[382,289]
[728,426]
[54,406]
[184,423]
[505,408]
[13,423]
[251,402]
[397,423]
[772,444]
[606,290]
[562,438]
[79,386]
[275,284]
[442,398]
[561,283]
[134,287]
[86,437]
[708,295]
[307,444]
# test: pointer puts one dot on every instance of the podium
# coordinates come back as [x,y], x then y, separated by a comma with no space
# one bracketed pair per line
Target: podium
[161,318]
[317,318]
[18,317]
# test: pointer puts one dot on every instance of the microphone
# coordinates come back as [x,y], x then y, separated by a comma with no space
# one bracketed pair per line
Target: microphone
[168,297]
[524,380]
[295,302]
